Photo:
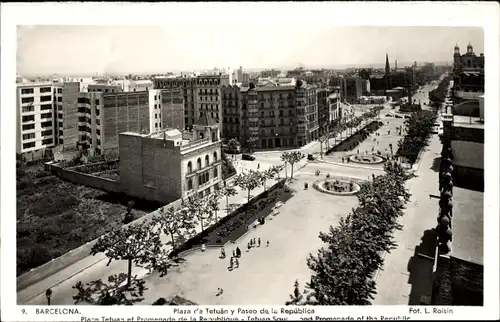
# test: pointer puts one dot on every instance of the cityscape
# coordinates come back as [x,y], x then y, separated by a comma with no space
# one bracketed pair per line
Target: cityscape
[299,185]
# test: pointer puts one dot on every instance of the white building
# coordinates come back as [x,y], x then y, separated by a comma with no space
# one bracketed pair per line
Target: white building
[140,85]
[36,127]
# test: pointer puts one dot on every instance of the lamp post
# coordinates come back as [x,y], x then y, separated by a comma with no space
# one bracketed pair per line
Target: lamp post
[48,294]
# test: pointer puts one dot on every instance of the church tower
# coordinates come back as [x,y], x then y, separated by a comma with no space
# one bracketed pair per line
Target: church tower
[388,77]
[456,57]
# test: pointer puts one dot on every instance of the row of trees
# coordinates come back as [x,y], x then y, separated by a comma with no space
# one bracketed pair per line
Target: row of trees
[141,244]
[418,130]
[438,94]
[344,269]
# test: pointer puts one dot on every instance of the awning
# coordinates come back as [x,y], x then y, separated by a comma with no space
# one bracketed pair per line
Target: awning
[471,73]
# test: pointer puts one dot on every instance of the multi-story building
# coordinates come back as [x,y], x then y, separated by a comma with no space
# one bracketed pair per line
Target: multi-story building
[307,114]
[334,110]
[140,85]
[171,164]
[201,94]
[104,88]
[323,109]
[468,75]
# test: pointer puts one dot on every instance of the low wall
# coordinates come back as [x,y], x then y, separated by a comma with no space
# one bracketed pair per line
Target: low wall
[75,255]
[198,239]
[86,179]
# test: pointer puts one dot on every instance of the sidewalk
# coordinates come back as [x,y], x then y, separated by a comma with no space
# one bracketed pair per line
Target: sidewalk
[303,148]
[405,276]
[94,267]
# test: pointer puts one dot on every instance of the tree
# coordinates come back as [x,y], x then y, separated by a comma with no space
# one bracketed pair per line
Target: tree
[228,191]
[277,169]
[293,158]
[296,298]
[176,224]
[198,207]
[248,181]
[129,217]
[213,203]
[322,139]
[115,292]
[137,244]
[285,156]
[266,175]
[233,144]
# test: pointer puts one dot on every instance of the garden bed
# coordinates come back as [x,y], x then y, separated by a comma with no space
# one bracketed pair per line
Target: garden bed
[339,187]
[233,226]
[366,158]
[354,140]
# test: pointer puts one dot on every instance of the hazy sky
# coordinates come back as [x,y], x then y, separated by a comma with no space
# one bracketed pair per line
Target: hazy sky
[129,49]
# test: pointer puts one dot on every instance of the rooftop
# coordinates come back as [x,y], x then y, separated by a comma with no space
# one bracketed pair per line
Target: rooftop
[467,225]
[275,88]
[206,120]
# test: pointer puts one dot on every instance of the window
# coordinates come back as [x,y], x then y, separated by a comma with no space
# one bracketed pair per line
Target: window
[28,145]
[190,184]
[46,115]
[61,141]
[29,118]
[189,167]
[59,99]
[106,90]
[45,98]
[61,133]
[28,127]
[44,107]
[215,156]
[199,163]
[216,173]
[47,124]
[207,161]
[59,90]
[27,91]
[28,136]
[47,133]
[60,124]
[156,124]
[28,109]
[45,89]
[47,141]
[27,100]
[83,100]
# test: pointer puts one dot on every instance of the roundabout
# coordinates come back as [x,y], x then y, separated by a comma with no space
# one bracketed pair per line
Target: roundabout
[340,187]
[366,159]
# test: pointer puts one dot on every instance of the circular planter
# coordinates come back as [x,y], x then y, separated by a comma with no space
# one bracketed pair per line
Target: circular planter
[366,158]
[321,186]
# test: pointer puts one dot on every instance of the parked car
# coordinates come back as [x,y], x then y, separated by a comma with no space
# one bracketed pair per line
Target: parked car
[248,157]
[398,116]
[388,115]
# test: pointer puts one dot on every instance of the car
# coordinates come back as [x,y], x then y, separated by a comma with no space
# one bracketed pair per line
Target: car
[398,116]
[388,115]
[247,157]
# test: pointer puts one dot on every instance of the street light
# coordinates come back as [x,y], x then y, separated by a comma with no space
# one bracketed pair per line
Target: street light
[48,294]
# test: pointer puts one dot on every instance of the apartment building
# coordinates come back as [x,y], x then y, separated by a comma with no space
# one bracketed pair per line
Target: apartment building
[104,88]
[269,116]
[140,85]
[201,94]
[468,75]
[36,119]
[323,109]
[171,164]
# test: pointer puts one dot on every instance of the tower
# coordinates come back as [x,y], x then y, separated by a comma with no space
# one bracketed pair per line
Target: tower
[470,50]
[396,64]
[206,128]
[456,57]
[388,78]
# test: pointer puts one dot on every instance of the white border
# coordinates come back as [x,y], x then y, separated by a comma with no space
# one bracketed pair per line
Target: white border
[476,14]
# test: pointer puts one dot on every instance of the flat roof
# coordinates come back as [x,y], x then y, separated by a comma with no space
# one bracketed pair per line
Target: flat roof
[467,225]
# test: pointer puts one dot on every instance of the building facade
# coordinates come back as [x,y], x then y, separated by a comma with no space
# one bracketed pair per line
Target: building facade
[104,88]
[36,118]
[140,85]
[201,94]
[170,164]
[468,75]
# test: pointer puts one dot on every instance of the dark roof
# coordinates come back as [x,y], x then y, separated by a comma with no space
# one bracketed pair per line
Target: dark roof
[206,120]
[244,88]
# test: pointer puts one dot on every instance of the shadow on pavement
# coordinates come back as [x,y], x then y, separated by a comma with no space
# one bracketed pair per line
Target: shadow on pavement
[435,164]
[420,268]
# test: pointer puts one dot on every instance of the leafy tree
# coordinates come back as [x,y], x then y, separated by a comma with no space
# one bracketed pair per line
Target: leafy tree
[129,217]
[213,203]
[176,224]
[293,158]
[285,156]
[198,207]
[322,139]
[248,181]
[228,191]
[137,244]
[233,144]
[266,175]
[115,292]
[296,298]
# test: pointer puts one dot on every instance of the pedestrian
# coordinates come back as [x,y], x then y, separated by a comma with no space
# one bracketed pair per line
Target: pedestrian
[249,246]
[342,159]
[238,252]
[258,242]
[231,262]
[234,253]
[267,244]
[222,253]
[253,241]
[258,166]
[237,262]
[203,247]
